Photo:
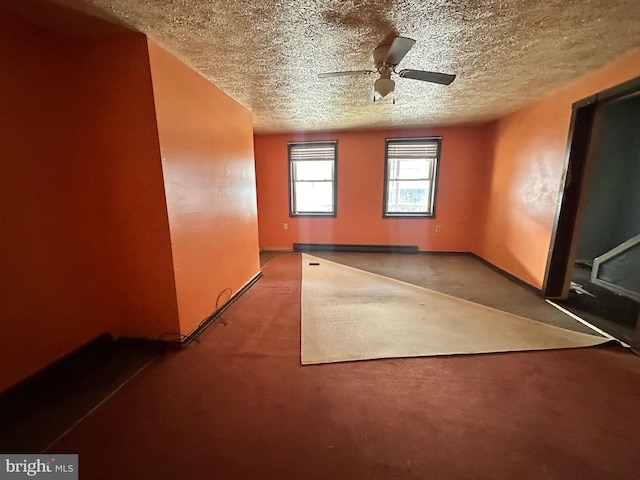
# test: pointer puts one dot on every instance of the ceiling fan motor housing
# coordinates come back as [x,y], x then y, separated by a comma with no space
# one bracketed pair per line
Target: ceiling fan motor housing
[379,54]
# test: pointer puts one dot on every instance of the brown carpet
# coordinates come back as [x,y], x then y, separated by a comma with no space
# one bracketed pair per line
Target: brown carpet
[239,405]
[350,314]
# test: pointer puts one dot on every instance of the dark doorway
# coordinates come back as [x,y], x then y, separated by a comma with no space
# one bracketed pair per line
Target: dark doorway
[594,261]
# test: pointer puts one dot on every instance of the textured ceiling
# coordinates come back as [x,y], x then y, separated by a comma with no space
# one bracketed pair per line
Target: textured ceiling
[267,54]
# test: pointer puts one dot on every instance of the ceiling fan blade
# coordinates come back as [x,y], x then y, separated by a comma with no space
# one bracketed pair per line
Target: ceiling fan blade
[433,77]
[344,74]
[399,48]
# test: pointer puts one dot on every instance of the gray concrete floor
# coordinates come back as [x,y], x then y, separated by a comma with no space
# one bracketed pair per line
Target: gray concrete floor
[462,276]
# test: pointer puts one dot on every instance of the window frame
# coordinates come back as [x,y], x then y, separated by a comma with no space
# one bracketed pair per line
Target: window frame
[434,181]
[292,182]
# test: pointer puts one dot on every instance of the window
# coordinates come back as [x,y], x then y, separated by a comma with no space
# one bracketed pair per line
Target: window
[312,178]
[411,170]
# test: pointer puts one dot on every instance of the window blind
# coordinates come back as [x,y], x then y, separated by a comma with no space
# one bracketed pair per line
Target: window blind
[412,150]
[312,152]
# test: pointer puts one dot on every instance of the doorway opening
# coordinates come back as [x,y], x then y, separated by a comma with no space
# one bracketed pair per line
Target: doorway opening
[594,261]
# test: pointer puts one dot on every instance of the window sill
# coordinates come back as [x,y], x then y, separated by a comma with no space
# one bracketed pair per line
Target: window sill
[408,215]
[312,215]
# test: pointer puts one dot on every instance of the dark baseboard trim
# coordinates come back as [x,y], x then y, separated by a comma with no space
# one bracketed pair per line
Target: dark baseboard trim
[330,247]
[207,322]
[54,376]
[64,372]
[440,252]
[510,276]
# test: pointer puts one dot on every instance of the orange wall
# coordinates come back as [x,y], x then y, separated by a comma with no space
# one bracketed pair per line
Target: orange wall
[85,241]
[123,141]
[206,140]
[526,173]
[360,180]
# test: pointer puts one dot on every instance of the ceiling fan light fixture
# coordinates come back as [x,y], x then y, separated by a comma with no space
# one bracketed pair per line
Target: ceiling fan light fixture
[386,58]
[384,86]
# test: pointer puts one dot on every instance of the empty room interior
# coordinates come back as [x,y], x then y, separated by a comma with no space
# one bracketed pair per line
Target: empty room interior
[321,239]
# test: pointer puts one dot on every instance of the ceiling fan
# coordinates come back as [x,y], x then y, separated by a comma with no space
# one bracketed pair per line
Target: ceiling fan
[386,58]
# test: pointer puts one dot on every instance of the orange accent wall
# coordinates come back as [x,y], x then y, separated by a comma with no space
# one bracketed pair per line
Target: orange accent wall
[85,238]
[525,174]
[206,140]
[360,180]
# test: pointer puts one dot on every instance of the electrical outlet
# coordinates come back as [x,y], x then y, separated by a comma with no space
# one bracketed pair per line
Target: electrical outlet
[437,228]
[285,226]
